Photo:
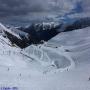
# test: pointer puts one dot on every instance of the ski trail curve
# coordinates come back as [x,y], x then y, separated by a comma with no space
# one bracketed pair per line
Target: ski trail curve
[46,61]
[61,51]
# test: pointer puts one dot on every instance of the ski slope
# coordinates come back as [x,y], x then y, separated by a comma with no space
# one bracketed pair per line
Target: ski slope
[61,64]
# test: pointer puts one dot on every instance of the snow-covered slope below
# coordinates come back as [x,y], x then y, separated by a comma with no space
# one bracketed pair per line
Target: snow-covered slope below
[61,64]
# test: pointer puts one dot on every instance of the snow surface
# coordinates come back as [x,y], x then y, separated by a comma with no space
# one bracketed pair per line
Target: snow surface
[61,64]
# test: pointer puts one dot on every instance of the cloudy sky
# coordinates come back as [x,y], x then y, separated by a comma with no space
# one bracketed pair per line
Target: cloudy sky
[21,10]
[17,10]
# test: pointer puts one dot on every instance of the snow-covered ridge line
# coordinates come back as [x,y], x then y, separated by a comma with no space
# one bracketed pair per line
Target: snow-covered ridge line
[19,32]
[3,28]
[16,36]
[47,25]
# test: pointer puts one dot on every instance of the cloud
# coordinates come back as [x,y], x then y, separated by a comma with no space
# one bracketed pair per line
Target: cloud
[21,7]
[13,7]
[24,7]
[18,9]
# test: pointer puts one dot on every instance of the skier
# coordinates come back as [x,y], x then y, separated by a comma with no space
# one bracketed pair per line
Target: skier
[20,74]
[89,79]
[8,69]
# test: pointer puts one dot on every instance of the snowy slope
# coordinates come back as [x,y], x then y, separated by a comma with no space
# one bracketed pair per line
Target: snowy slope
[3,28]
[16,36]
[61,64]
[60,74]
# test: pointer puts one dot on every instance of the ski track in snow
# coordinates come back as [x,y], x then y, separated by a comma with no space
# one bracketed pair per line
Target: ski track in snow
[16,66]
[60,51]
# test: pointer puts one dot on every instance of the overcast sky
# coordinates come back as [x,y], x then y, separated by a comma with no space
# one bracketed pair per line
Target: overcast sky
[19,10]
[15,10]
[21,7]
